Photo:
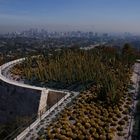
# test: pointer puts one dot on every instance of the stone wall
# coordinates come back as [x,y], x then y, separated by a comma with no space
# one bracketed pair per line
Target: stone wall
[17,101]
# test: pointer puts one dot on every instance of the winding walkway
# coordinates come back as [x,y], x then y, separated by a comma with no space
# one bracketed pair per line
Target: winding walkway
[4,77]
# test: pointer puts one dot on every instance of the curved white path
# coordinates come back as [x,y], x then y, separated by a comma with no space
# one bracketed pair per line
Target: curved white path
[12,82]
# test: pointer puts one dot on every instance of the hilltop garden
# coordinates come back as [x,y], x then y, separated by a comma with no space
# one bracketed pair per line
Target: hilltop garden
[101,111]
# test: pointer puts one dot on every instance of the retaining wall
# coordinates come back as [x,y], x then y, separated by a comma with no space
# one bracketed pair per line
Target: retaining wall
[38,120]
[18,99]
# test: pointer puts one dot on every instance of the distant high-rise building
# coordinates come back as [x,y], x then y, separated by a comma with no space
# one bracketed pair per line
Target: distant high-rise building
[96,34]
[105,35]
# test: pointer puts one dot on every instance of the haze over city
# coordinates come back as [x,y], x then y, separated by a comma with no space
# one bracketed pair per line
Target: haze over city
[69,70]
[63,15]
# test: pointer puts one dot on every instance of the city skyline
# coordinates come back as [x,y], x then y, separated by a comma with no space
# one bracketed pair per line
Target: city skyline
[64,15]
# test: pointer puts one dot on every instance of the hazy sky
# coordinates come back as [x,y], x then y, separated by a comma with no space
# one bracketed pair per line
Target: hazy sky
[94,15]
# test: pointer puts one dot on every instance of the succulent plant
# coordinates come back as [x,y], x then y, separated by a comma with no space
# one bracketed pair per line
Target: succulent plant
[121,122]
[96,136]
[120,128]
[113,124]
[126,118]
[118,115]
[110,136]
[102,137]
[112,130]
[87,125]
[115,119]
[125,112]
[120,134]
[120,109]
